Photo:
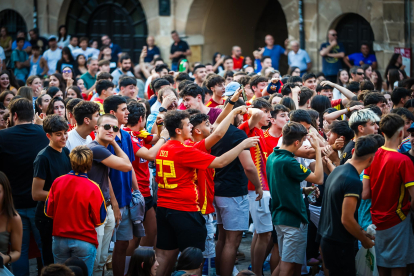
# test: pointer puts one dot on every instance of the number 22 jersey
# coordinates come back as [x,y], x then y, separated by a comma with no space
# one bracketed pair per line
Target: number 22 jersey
[176,173]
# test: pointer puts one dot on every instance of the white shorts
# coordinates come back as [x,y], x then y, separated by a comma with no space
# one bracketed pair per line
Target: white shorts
[232,212]
[210,248]
[260,212]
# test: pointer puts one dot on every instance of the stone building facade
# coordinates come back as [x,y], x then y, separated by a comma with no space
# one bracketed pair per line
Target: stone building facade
[211,26]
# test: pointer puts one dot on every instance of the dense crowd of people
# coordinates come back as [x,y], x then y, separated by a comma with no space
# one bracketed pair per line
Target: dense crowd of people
[175,165]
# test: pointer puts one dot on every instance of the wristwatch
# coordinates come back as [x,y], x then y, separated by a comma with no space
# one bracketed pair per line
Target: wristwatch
[162,109]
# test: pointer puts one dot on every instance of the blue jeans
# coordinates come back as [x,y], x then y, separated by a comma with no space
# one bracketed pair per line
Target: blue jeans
[21,266]
[64,248]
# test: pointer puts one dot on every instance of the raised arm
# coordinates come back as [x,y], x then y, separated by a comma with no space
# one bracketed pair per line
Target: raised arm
[150,154]
[119,161]
[228,157]
[317,176]
[228,108]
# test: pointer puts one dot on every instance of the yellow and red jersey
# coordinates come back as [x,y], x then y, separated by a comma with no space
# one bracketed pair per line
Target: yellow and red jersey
[176,175]
[390,174]
[259,155]
[205,181]
[141,139]
[77,206]
[213,103]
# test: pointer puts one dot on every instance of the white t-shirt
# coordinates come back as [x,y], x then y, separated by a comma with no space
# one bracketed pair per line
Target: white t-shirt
[89,52]
[52,58]
[74,140]
[63,43]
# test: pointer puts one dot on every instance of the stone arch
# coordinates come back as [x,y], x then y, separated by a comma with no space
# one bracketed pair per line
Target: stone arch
[238,27]
[22,10]
[13,22]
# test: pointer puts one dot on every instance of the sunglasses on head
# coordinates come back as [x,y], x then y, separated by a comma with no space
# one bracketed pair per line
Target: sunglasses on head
[108,127]
[67,71]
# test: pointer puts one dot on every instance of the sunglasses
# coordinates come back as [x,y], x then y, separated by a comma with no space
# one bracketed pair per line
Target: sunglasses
[67,71]
[360,73]
[334,35]
[108,127]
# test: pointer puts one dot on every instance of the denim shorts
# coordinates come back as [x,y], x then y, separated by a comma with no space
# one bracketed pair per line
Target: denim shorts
[232,212]
[210,250]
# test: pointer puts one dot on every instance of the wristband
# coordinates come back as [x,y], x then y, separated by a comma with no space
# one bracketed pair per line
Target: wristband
[10,258]
[231,102]
[165,139]
[349,110]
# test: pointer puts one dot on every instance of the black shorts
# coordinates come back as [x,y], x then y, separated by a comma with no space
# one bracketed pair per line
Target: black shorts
[274,235]
[149,203]
[339,258]
[179,229]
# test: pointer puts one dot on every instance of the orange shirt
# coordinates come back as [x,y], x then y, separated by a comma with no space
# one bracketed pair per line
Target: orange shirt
[176,174]
[205,182]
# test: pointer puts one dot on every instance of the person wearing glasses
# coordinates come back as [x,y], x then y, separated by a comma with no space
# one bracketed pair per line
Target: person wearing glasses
[103,160]
[332,53]
[357,73]
[364,57]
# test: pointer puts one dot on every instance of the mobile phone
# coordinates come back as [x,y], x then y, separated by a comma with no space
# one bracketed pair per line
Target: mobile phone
[243,93]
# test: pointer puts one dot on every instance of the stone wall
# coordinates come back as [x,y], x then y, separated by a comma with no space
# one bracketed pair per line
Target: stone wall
[217,25]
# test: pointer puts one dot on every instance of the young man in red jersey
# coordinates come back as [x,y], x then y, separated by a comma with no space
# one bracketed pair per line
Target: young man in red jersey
[104,89]
[74,232]
[216,84]
[259,210]
[389,182]
[179,220]
[146,147]
[204,139]
[279,118]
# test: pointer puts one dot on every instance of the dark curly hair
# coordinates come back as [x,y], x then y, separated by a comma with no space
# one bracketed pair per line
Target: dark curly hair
[84,109]
[173,120]
[136,111]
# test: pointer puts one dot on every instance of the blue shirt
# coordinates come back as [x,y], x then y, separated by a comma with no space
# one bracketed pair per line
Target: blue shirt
[364,210]
[151,53]
[330,65]
[116,49]
[122,181]
[26,44]
[356,58]
[274,54]
[300,59]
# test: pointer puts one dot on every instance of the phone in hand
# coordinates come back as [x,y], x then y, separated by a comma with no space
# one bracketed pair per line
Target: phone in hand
[243,93]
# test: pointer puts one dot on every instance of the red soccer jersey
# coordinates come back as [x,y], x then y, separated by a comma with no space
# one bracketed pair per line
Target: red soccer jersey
[390,174]
[213,103]
[271,142]
[140,165]
[258,154]
[176,174]
[337,104]
[205,182]
[238,63]
[77,206]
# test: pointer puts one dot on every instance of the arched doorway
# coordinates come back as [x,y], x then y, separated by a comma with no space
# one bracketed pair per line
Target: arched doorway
[273,21]
[123,21]
[353,30]
[13,22]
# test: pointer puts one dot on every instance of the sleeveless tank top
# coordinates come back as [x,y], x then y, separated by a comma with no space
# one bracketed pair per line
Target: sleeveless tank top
[35,68]
[4,240]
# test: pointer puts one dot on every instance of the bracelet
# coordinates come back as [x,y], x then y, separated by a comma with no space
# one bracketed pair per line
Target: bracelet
[10,258]
[349,110]
[231,102]
[165,139]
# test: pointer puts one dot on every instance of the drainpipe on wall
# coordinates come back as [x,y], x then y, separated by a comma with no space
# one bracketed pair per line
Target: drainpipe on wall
[301,26]
[407,23]
[35,25]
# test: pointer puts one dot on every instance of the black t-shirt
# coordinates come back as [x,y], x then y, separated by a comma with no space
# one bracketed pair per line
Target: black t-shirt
[343,182]
[19,146]
[181,46]
[347,153]
[99,172]
[230,181]
[409,155]
[49,165]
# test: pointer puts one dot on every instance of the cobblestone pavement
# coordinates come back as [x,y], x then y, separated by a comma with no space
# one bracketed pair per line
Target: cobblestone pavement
[244,247]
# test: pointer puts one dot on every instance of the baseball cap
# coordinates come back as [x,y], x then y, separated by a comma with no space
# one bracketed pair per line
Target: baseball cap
[231,88]
[411,128]
[52,37]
